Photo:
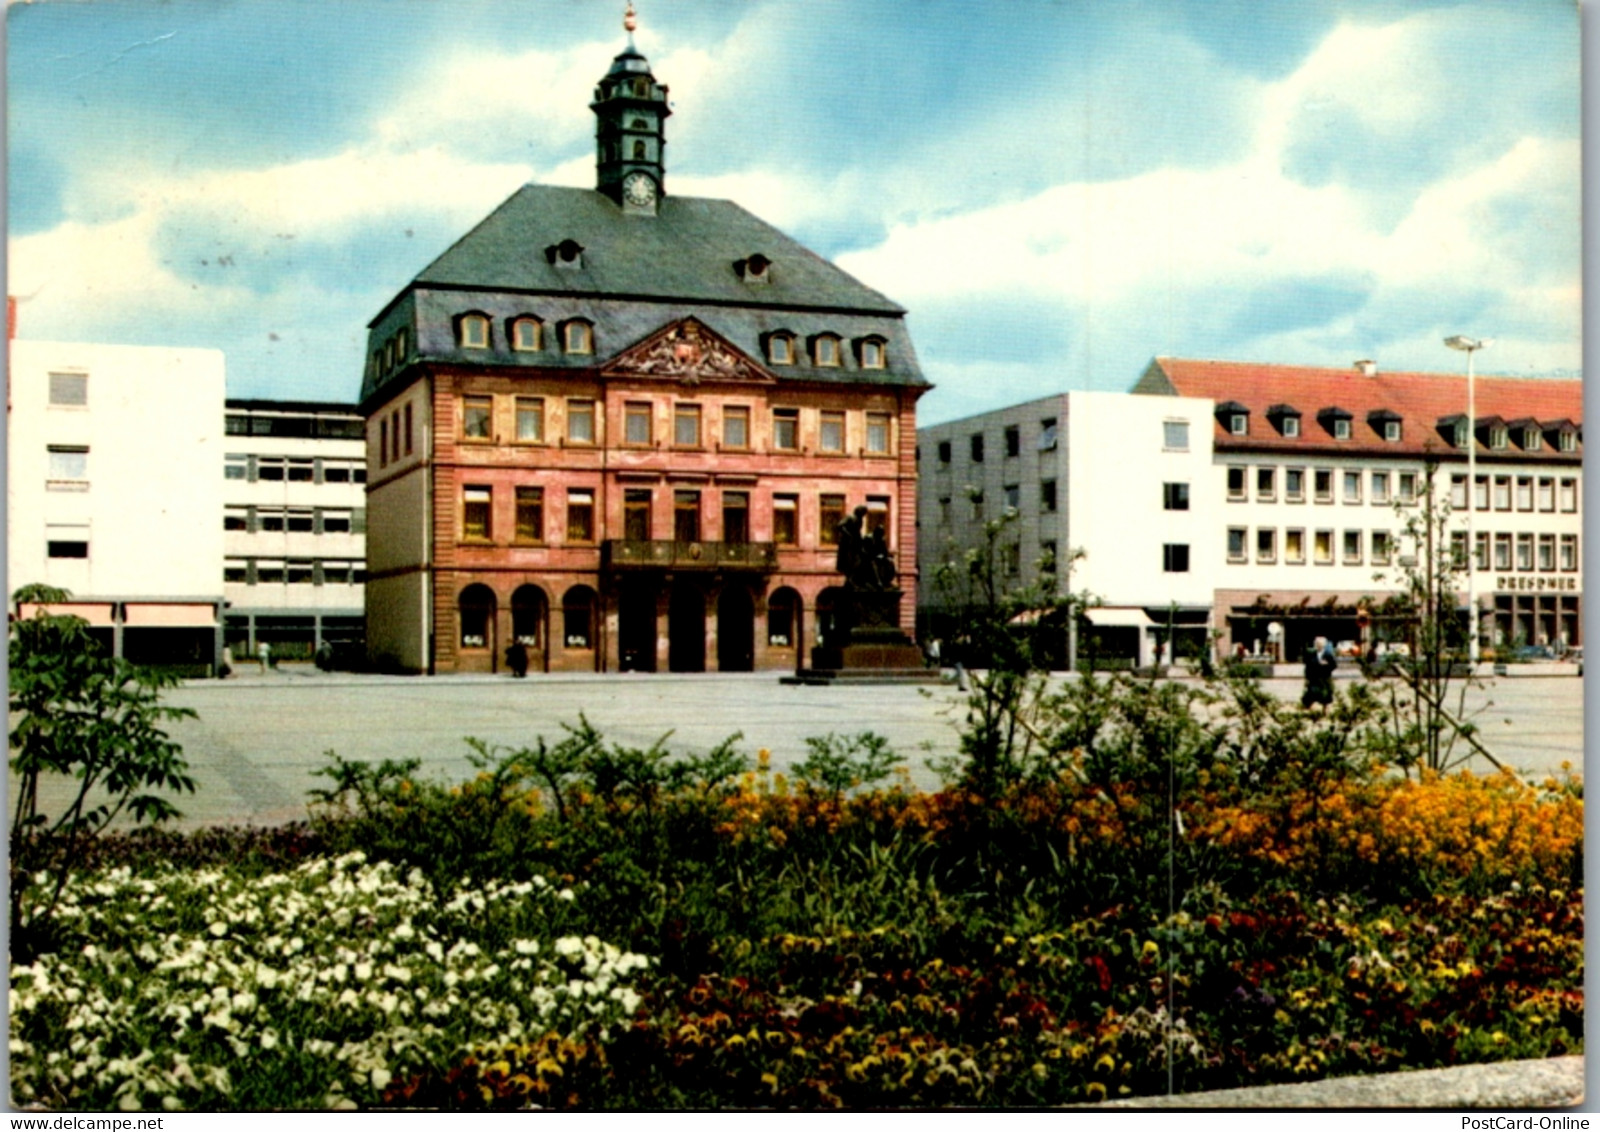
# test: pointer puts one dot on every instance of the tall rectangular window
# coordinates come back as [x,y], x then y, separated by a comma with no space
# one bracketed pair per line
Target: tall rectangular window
[1502,551]
[407,428]
[686,426]
[1322,548]
[1174,497]
[944,451]
[830,516]
[1524,493]
[1236,484]
[1322,484]
[1458,549]
[383,441]
[878,434]
[1266,544]
[1525,551]
[636,423]
[636,514]
[580,422]
[530,420]
[786,430]
[530,514]
[1352,487]
[1569,494]
[1502,493]
[477,415]
[1380,487]
[1266,484]
[580,515]
[1547,493]
[476,505]
[1407,487]
[736,426]
[1236,537]
[1480,493]
[1352,548]
[1294,545]
[686,516]
[1480,550]
[877,517]
[1547,552]
[1175,437]
[785,520]
[1013,436]
[70,389]
[832,435]
[1458,492]
[975,447]
[1569,551]
[1047,496]
[1175,558]
[1294,485]
[735,517]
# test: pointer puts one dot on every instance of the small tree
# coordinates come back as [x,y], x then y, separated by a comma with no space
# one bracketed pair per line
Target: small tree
[1012,632]
[1427,730]
[80,714]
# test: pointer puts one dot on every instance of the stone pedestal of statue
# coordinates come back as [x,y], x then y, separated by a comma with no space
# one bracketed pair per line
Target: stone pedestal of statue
[870,649]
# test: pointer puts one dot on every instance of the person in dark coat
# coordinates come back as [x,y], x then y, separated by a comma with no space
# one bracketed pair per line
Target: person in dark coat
[517,659]
[1319,667]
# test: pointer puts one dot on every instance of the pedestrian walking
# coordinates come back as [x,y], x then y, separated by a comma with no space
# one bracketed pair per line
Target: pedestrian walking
[1319,665]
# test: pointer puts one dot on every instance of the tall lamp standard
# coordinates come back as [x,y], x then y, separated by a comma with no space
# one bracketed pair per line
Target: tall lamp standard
[1471,346]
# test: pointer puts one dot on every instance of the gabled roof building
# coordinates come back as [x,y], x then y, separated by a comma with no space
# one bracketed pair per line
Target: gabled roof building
[618,428]
[1264,505]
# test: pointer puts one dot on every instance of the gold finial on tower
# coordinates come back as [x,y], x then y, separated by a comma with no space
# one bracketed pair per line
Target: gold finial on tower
[629,20]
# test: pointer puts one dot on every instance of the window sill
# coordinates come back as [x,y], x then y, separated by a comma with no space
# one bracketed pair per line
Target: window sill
[528,542]
[66,485]
[468,541]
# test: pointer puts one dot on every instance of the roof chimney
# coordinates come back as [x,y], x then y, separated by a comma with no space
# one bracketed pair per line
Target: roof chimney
[1366,367]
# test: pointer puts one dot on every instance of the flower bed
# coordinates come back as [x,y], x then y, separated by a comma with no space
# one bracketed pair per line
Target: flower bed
[737,940]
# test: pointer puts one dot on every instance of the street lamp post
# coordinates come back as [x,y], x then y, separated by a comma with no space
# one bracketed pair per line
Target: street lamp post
[1471,346]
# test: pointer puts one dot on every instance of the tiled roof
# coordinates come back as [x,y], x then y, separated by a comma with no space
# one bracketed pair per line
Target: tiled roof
[1422,401]
[686,252]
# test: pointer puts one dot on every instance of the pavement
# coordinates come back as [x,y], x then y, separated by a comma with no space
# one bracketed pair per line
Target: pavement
[260,737]
[1509,1085]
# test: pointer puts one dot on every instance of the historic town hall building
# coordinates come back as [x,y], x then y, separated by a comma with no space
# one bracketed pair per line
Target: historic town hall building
[620,427]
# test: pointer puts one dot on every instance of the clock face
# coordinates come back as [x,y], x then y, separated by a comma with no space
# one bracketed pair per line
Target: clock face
[639,189]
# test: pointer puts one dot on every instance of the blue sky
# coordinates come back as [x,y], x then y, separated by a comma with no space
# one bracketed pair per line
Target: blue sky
[1057,190]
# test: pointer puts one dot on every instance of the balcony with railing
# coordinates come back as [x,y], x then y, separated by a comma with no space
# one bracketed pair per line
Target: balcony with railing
[668,554]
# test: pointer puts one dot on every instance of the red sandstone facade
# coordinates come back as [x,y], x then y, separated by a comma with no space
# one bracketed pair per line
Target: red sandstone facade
[539,541]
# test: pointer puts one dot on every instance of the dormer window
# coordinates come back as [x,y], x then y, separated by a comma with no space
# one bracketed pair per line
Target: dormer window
[753,269]
[1568,440]
[871,353]
[527,334]
[1531,440]
[1386,423]
[1234,418]
[1499,436]
[577,337]
[1457,429]
[1336,421]
[472,331]
[780,348]
[825,350]
[1287,420]
[568,253]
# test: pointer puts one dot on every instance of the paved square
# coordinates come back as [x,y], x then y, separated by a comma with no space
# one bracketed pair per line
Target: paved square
[259,739]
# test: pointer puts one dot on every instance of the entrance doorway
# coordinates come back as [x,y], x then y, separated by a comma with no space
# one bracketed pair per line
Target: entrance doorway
[686,629]
[736,638]
[636,626]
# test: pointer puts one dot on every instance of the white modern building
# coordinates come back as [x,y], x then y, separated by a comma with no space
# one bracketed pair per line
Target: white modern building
[294,526]
[1266,505]
[1127,481]
[114,483]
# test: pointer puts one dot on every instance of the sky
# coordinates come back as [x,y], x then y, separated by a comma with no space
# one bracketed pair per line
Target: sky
[1056,190]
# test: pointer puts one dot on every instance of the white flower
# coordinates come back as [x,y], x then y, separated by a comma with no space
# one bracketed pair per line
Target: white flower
[381,1079]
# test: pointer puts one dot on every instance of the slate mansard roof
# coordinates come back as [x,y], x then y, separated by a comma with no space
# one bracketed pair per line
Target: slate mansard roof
[634,275]
[1426,404]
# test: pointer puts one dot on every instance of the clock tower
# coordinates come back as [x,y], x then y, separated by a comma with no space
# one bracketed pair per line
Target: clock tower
[630,137]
